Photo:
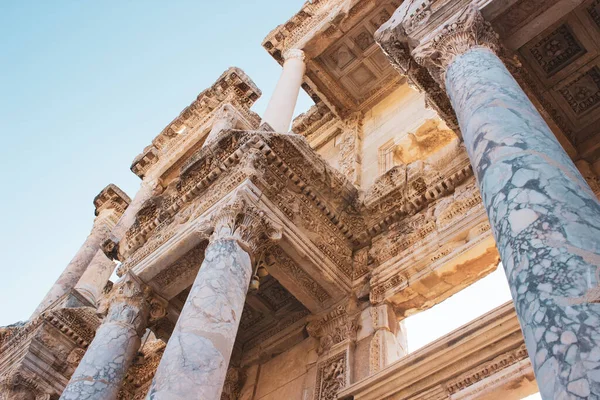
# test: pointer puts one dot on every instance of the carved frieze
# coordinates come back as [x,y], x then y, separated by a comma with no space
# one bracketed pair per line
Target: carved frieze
[297,274]
[187,263]
[333,374]
[487,369]
[337,326]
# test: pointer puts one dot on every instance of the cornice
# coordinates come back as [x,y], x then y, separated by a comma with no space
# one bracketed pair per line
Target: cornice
[233,86]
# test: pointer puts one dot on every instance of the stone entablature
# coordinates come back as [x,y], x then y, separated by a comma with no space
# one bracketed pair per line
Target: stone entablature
[39,356]
[233,87]
[462,361]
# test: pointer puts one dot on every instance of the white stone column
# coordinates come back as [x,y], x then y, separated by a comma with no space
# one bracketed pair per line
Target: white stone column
[195,362]
[110,205]
[280,110]
[94,279]
[545,218]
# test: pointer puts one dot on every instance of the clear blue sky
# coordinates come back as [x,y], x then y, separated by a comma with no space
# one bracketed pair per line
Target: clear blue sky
[85,86]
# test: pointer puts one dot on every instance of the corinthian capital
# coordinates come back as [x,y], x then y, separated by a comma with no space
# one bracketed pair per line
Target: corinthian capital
[292,54]
[131,302]
[247,224]
[467,31]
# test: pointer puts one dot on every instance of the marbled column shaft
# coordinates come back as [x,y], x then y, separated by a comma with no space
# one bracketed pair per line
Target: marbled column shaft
[195,361]
[100,373]
[75,269]
[94,279]
[281,106]
[545,219]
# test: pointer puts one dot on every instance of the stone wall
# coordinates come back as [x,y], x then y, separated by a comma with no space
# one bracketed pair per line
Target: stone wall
[290,375]
[399,113]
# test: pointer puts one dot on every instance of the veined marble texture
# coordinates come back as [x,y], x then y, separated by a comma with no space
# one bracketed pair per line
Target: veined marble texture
[195,361]
[101,371]
[545,219]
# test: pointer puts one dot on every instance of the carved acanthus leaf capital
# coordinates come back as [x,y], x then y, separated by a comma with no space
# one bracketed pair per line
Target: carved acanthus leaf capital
[335,327]
[294,54]
[132,302]
[467,31]
[247,224]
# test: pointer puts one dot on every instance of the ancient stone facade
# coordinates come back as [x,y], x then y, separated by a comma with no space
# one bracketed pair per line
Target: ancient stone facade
[259,263]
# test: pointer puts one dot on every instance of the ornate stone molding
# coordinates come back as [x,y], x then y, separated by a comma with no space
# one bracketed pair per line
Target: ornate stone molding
[111,198]
[335,327]
[131,302]
[245,223]
[333,375]
[486,370]
[234,381]
[19,383]
[394,42]
[294,54]
[468,30]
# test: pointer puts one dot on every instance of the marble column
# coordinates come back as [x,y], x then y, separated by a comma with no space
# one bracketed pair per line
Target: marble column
[194,364]
[101,371]
[280,109]
[544,216]
[94,279]
[110,205]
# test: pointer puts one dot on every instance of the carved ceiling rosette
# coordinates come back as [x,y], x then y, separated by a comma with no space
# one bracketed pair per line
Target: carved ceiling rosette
[248,225]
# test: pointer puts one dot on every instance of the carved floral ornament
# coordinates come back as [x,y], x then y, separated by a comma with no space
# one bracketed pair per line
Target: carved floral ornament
[467,31]
[335,327]
[240,220]
[132,302]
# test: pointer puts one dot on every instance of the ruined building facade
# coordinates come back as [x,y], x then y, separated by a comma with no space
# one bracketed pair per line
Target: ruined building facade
[264,258]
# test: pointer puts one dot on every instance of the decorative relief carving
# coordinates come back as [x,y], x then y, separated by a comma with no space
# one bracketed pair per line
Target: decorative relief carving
[333,328]
[594,11]
[350,149]
[131,302]
[188,262]
[469,30]
[140,374]
[277,256]
[247,224]
[583,94]
[361,263]
[332,376]
[418,17]
[485,370]
[557,50]
[377,293]
[234,381]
